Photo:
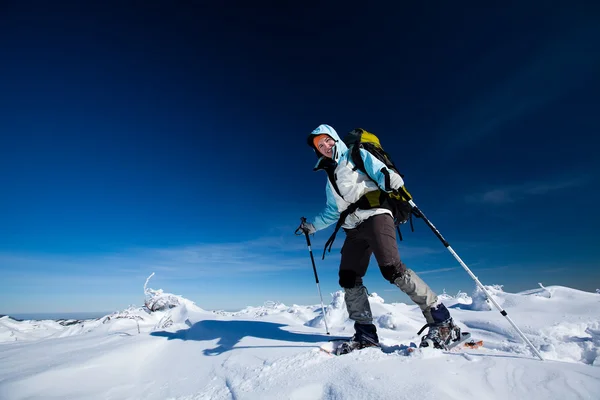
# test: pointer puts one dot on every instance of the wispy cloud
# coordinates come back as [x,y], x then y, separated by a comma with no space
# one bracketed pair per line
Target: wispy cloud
[420,251]
[552,270]
[264,255]
[436,271]
[206,272]
[513,193]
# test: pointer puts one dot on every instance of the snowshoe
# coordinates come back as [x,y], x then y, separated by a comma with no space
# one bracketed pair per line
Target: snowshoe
[340,347]
[351,345]
[365,336]
[442,335]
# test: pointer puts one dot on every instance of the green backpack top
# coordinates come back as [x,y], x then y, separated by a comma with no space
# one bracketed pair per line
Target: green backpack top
[398,201]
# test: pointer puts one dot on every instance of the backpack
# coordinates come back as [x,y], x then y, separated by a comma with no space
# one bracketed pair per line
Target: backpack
[397,202]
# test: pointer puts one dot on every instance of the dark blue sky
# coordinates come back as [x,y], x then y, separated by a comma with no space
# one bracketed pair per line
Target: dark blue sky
[171,138]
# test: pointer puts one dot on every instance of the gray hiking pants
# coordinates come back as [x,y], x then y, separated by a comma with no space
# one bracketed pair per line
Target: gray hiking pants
[377,235]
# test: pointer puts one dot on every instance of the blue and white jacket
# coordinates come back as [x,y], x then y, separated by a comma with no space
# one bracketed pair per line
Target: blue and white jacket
[352,184]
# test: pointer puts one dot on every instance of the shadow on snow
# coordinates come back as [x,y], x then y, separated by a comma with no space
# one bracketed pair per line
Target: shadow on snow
[230,333]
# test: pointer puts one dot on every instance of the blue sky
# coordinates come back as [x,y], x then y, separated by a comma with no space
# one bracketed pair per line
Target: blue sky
[138,139]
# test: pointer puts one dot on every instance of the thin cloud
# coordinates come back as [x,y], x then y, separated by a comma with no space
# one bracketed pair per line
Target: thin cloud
[206,260]
[498,267]
[419,251]
[513,193]
[557,269]
[436,271]
[263,255]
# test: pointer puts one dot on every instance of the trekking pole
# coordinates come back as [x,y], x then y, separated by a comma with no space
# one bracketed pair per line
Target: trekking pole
[299,232]
[420,214]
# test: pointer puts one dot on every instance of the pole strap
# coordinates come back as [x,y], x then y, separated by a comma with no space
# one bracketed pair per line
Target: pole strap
[351,208]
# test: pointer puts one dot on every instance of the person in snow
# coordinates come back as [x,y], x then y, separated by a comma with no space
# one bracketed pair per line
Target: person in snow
[369,231]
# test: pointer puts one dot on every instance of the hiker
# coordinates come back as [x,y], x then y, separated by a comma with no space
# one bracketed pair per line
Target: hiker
[369,230]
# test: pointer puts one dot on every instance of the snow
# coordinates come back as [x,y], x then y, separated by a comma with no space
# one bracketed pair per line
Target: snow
[181,351]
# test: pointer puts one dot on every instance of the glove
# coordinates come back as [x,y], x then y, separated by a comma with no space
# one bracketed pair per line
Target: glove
[307,227]
[396,181]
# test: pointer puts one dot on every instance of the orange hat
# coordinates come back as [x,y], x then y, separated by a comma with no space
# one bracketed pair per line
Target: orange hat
[317,138]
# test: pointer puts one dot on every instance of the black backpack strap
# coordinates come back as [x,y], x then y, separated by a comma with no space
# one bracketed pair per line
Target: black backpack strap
[331,178]
[357,159]
[412,227]
[351,208]
[360,164]
[329,166]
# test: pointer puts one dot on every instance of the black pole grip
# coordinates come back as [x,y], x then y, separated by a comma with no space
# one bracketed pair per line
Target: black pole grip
[437,233]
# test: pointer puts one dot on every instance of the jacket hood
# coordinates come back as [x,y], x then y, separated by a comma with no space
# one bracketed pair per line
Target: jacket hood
[339,149]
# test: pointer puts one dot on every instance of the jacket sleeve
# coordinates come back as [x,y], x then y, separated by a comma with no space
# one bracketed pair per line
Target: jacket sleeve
[387,179]
[330,214]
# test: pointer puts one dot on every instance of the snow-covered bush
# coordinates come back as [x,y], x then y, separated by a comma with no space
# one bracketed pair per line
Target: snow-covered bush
[336,313]
[593,350]
[480,301]
[157,300]
[337,301]
[174,316]
[462,296]
[130,312]
[375,298]
[444,296]
[386,321]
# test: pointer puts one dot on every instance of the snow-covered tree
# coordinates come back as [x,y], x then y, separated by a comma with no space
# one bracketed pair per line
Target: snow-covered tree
[157,300]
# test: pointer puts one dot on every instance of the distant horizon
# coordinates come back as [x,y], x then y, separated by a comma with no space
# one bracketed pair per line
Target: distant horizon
[82,315]
[55,315]
[78,315]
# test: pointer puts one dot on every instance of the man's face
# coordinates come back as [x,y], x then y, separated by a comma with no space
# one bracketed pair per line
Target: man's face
[325,146]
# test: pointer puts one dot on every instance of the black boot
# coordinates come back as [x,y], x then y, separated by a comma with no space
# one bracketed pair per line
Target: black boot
[366,335]
[442,331]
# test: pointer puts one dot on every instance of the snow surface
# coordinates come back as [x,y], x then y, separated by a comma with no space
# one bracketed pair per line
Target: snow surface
[180,351]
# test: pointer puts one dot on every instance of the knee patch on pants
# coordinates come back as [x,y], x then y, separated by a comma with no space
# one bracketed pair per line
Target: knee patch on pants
[347,279]
[391,272]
